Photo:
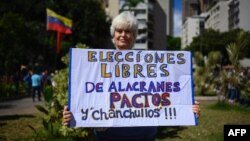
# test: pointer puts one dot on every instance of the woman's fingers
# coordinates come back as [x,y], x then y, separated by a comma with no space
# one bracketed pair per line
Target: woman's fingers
[196,102]
[65,108]
[196,108]
[66,116]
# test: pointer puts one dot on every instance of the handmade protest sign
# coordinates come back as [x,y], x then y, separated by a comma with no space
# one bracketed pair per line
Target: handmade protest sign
[114,88]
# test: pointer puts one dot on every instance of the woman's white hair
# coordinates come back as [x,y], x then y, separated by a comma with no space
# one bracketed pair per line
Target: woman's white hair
[124,20]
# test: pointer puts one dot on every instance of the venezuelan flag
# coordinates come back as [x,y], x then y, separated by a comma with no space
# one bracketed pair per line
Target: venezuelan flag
[58,23]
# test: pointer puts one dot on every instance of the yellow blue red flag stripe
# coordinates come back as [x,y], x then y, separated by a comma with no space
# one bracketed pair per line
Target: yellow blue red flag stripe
[58,23]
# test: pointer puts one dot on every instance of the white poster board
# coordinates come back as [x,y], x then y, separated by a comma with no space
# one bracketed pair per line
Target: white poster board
[111,88]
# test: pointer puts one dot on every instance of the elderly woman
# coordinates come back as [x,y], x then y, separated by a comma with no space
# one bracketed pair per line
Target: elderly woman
[124,32]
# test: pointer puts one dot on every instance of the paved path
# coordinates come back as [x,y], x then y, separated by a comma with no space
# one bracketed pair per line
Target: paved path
[27,106]
[206,98]
[19,107]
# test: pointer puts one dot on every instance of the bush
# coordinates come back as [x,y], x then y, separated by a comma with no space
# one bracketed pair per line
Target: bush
[56,98]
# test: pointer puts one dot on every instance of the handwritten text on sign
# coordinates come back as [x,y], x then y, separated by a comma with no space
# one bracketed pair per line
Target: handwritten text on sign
[111,88]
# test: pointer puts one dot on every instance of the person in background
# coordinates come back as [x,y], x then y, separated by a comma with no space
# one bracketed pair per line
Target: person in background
[124,32]
[27,82]
[36,85]
[45,80]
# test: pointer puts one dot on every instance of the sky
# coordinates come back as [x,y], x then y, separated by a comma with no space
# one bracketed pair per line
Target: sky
[177,17]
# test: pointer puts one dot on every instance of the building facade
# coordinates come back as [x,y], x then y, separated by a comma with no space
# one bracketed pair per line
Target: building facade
[155,21]
[238,14]
[192,8]
[191,28]
[217,18]
[220,15]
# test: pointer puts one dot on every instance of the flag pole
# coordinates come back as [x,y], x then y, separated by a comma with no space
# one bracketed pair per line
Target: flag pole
[59,39]
[60,24]
[57,49]
[58,44]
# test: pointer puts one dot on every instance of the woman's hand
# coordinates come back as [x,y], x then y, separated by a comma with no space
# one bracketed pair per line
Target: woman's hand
[67,115]
[196,108]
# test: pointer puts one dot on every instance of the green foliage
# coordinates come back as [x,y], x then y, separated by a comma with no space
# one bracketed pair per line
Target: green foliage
[232,37]
[61,80]
[8,90]
[90,23]
[206,73]
[214,59]
[48,94]
[52,118]
[80,45]
[23,36]
[210,77]
[210,40]
[56,99]
[237,49]
[34,130]
[42,109]
[245,91]
[173,43]
[26,41]
[198,58]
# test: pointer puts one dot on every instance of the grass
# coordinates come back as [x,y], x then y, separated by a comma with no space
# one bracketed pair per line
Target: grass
[15,127]
[210,125]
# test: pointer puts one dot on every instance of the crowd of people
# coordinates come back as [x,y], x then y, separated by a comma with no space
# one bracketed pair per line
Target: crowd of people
[36,82]
[26,82]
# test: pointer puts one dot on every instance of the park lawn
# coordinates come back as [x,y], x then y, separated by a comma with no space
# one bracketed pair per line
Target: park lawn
[16,127]
[210,125]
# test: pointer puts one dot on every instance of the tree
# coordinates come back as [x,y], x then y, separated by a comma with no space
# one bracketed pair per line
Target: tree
[16,44]
[209,40]
[235,52]
[26,41]
[219,78]
[23,25]
[56,98]
[91,24]
[173,43]
[206,72]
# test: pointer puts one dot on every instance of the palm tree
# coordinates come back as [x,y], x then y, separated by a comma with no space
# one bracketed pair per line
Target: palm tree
[206,72]
[235,52]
